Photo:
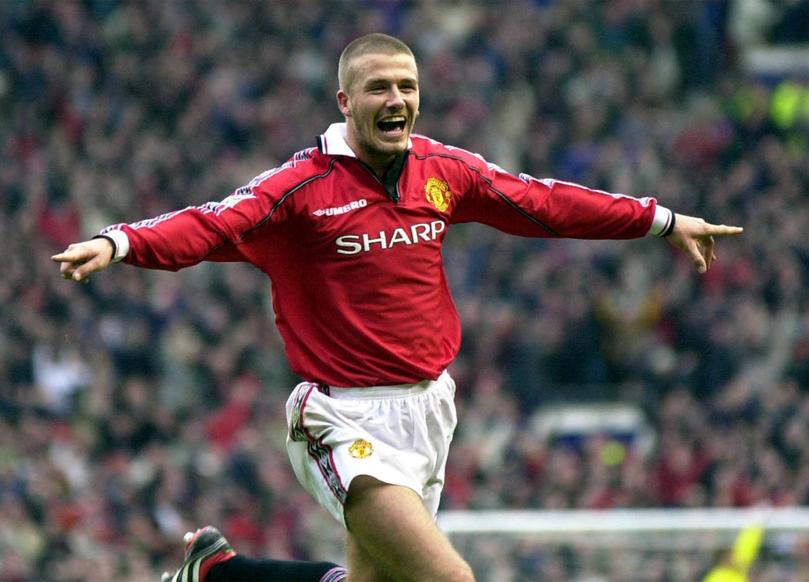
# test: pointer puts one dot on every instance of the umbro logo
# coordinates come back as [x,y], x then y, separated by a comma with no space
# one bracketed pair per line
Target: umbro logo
[361,203]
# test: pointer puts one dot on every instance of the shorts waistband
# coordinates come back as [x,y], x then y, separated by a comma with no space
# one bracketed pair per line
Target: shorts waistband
[377,392]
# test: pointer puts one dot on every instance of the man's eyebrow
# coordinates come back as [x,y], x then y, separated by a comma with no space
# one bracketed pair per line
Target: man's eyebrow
[385,81]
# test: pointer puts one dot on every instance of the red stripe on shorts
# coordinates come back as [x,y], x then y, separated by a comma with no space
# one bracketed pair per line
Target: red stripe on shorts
[322,454]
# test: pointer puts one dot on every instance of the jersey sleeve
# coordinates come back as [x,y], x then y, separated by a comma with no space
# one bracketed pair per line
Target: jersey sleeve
[528,206]
[211,231]
[183,238]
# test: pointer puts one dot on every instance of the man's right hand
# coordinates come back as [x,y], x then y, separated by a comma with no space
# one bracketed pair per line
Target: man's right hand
[695,237]
[80,259]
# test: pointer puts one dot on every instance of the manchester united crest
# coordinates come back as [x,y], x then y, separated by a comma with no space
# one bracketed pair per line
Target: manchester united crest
[438,193]
[361,449]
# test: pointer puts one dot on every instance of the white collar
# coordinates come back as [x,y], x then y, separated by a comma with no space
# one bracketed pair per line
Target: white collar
[333,141]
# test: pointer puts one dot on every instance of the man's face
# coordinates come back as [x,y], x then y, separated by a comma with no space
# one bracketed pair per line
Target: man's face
[380,105]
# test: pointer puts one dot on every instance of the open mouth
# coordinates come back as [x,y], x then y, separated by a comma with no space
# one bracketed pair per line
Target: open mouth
[392,126]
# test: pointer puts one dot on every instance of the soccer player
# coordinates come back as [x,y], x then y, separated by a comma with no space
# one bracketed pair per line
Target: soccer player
[350,233]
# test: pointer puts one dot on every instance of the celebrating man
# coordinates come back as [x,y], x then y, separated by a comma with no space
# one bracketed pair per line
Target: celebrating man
[350,234]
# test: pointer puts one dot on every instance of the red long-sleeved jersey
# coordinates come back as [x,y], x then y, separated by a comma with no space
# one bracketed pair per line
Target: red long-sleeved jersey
[358,285]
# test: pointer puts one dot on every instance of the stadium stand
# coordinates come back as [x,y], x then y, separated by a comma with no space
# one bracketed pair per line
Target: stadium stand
[141,405]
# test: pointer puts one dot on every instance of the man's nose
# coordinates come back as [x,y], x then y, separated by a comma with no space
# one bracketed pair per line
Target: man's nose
[395,99]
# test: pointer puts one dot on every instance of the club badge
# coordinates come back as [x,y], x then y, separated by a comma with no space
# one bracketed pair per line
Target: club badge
[438,193]
[361,449]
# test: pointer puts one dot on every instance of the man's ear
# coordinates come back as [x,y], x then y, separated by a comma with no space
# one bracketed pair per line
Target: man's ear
[342,103]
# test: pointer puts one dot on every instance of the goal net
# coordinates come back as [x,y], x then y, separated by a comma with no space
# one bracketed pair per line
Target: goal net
[624,545]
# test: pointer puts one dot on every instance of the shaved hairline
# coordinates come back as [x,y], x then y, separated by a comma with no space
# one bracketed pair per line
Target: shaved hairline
[374,43]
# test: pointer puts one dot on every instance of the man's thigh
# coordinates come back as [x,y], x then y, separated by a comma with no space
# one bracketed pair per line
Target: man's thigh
[391,536]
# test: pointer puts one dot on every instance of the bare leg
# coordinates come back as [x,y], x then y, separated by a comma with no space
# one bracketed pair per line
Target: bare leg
[392,537]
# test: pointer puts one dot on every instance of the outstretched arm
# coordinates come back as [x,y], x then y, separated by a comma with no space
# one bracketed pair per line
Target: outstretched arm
[695,237]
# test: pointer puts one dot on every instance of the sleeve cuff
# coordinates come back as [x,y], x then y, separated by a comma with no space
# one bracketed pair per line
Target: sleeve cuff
[663,222]
[120,243]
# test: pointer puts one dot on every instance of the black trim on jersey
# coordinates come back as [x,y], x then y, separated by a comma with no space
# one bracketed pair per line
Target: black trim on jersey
[390,179]
[502,195]
[289,193]
[670,226]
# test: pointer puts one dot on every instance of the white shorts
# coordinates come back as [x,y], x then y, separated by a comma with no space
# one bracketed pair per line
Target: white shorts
[397,434]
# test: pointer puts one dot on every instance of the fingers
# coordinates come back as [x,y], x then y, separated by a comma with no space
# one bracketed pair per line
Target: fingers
[696,237]
[82,272]
[697,227]
[66,270]
[78,261]
[71,258]
[72,254]
[708,252]
[702,251]
[721,230]
[706,243]
[72,271]
[695,250]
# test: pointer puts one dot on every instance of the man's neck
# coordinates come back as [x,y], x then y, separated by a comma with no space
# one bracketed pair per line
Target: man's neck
[379,164]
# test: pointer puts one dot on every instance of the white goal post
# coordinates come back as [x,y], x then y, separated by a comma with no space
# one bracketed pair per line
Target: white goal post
[637,545]
[795,519]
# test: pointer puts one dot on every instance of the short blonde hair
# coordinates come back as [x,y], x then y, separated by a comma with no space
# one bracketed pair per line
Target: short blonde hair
[374,43]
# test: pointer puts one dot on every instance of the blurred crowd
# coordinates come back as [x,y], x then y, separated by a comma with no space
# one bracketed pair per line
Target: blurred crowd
[144,404]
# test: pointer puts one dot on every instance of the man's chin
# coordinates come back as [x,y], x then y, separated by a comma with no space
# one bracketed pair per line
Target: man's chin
[392,147]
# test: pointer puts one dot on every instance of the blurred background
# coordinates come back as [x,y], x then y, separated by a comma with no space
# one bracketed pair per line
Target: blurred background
[144,404]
